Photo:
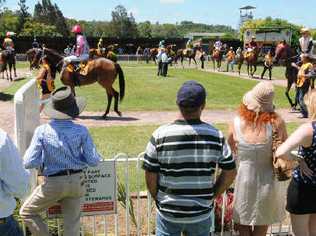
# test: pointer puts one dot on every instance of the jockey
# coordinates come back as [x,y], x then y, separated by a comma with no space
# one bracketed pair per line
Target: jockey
[253,44]
[306,42]
[35,44]
[162,44]
[189,44]
[218,44]
[100,46]
[81,47]
[8,42]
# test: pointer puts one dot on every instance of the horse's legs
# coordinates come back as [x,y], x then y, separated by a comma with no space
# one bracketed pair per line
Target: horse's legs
[239,67]
[116,101]
[289,85]
[14,67]
[110,96]
[182,61]
[213,64]
[10,69]
[195,62]
[254,69]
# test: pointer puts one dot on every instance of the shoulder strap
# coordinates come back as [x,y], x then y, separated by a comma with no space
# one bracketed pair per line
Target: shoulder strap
[237,128]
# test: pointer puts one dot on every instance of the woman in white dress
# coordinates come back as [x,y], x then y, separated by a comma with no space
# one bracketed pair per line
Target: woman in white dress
[259,197]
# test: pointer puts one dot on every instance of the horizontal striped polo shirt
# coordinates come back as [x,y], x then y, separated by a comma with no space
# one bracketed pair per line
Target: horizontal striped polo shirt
[185,155]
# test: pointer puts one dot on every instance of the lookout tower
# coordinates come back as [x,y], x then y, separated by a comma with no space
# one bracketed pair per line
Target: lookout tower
[246,13]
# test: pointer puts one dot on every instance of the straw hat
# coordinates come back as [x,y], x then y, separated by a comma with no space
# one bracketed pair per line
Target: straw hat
[260,98]
[64,105]
[305,30]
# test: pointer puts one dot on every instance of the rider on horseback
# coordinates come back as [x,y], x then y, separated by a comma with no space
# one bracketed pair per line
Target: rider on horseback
[162,44]
[100,47]
[35,44]
[81,48]
[218,44]
[253,44]
[8,42]
[306,42]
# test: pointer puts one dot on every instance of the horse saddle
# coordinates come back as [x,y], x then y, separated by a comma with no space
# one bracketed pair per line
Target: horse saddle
[82,68]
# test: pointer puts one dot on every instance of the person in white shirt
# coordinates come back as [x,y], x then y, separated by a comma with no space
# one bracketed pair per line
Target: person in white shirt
[306,42]
[14,183]
[165,62]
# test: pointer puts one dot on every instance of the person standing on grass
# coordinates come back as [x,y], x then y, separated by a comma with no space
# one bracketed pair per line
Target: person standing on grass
[60,150]
[14,182]
[179,163]
[230,57]
[303,82]
[267,65]
[165,62]
[302,188]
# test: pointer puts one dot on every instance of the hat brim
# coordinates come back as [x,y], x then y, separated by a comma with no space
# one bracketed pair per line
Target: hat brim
[55,114]
[252,104]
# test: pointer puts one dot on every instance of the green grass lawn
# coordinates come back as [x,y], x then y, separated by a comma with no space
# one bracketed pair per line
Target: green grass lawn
[22,64]
[147,92]
[132,140]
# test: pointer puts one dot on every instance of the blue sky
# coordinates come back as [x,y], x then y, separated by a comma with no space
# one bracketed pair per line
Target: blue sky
[171,11]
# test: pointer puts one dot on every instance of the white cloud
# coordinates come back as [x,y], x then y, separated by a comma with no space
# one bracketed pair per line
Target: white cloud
[171,1]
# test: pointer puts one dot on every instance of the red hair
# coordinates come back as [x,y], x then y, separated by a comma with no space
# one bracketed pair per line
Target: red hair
[252,117]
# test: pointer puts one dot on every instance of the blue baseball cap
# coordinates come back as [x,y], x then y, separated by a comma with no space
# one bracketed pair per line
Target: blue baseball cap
[191,94]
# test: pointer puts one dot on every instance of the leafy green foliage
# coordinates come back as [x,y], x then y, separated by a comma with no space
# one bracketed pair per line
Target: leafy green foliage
[34,28]
[270,22]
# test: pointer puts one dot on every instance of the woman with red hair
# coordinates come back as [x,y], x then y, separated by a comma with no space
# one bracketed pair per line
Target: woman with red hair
[259,197]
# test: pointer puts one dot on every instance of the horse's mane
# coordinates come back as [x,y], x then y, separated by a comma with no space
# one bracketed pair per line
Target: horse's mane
[52,52]
[54,59]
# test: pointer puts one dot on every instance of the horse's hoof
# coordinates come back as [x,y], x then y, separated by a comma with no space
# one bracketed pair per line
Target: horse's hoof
[119,113]
[104,116]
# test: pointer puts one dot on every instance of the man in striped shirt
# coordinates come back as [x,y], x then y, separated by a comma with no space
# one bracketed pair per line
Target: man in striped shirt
[179,164]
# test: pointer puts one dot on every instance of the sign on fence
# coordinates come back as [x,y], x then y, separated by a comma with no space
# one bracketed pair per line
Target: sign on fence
[100,197]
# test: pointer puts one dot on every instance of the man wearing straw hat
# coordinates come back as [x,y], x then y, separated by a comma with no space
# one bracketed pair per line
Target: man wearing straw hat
[179,164]
[60,150]
[306,42]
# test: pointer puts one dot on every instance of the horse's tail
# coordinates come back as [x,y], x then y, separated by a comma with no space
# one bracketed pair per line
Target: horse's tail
[121,80]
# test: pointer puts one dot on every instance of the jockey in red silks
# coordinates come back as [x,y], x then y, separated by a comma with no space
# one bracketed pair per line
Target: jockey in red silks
[81,48]
[253,44]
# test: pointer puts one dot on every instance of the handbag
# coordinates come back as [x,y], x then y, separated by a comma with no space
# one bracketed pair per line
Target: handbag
[281,173]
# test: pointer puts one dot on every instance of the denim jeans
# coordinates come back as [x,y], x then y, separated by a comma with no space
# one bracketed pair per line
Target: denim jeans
[10,227]
[166,228]
[301,93]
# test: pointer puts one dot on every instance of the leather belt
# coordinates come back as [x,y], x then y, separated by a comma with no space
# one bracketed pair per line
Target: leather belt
[65,172]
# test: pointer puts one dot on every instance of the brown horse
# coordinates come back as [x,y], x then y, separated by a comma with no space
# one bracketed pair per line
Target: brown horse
[30,56]
[8,59]
[99,70]
[251,59]
[153,54]
[287,55]
[108,53]
[187,53]
[217,57]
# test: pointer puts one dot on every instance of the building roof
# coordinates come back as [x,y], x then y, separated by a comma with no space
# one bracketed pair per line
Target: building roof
[203,34]
[247,8]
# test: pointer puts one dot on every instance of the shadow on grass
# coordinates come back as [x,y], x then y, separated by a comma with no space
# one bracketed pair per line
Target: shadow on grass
[110,118]
[5,97]
[19,79]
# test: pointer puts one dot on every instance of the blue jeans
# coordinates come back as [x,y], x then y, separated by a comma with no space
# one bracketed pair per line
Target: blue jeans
[301,93]
[10,227]
[167,228]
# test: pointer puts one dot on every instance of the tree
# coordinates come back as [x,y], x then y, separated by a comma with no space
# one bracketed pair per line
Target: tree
[144,29]
[9,21]
[23,14]
[122,24]
[48,13]
[32,28]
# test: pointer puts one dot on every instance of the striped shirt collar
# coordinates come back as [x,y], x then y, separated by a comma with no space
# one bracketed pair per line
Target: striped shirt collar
[188,122]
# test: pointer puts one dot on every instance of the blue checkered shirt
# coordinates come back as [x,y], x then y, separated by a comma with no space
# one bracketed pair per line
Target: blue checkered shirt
[61,145]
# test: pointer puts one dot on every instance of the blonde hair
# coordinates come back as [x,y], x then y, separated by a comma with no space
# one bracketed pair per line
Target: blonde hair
[310,101]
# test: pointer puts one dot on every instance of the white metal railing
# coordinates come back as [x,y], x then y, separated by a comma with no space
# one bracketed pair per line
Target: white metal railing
[124,226]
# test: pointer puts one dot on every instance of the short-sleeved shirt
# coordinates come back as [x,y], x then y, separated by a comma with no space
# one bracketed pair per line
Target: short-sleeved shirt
[309,155]
[185,155]
[301,76]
